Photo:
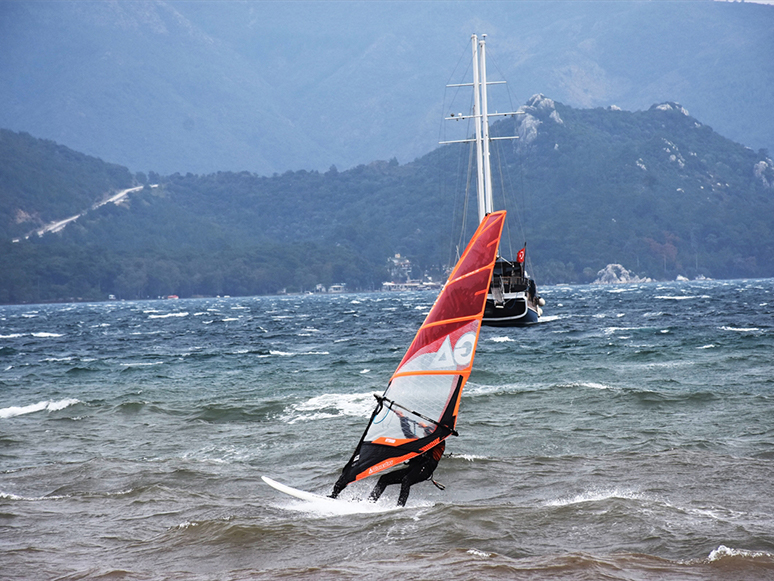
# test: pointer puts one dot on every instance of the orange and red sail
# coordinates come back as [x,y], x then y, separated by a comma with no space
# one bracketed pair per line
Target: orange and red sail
[419,407]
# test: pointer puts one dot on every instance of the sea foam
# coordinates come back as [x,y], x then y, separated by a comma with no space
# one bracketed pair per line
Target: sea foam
[50,406]
[723,552]
[595,496]
[330,405]
[168,315]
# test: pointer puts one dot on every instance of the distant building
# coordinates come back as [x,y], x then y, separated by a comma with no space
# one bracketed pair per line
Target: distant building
[400,277]
[399,268]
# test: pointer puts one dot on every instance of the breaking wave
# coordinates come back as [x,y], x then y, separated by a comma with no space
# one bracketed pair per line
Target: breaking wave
[50,406]
[330,405]
[723,552]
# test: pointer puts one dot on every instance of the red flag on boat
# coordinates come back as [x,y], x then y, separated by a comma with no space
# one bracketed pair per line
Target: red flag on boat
[520,255]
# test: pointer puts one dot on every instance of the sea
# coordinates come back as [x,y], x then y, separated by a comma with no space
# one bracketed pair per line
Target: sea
[628,436]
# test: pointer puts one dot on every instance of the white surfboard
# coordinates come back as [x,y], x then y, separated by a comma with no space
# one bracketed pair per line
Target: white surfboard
[325,505]
[302,494]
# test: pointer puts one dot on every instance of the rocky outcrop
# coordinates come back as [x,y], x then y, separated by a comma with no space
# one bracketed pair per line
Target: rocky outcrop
[538,110]
[617,274]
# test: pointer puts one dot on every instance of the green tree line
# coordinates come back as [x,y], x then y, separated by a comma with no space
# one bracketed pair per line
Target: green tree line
[655,190]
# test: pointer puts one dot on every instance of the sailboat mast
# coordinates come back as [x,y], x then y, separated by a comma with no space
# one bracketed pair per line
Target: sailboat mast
[488,201]
[482,211]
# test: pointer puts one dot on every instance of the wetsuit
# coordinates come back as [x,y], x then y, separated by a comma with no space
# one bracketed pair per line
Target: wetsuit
[419,468]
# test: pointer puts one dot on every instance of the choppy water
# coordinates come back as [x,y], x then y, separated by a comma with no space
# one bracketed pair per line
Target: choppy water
[628,436]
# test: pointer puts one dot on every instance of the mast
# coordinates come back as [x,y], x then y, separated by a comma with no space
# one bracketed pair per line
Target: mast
[480,117]
[482,208]
[487,190]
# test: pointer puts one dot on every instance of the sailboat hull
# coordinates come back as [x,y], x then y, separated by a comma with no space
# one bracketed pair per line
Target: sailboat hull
[515,312]
[512,300]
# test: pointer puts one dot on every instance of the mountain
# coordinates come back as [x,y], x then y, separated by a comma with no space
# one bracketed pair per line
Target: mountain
[274,86]
[657,191]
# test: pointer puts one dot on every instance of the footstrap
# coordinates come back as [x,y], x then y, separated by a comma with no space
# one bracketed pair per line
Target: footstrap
[438,484]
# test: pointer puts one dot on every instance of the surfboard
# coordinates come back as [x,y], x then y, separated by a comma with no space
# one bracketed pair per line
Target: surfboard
[325,505]
[301,494]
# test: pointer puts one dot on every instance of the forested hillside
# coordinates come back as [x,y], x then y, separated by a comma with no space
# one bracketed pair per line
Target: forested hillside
[655,190]
[41,181]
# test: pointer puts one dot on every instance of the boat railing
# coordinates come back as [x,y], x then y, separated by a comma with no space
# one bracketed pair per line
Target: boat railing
[510,284]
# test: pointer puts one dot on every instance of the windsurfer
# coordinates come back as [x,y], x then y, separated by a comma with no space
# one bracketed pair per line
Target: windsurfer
[409,427]
[419,469]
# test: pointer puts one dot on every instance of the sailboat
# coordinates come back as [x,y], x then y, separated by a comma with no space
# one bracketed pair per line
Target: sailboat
[512,300]
[419,408]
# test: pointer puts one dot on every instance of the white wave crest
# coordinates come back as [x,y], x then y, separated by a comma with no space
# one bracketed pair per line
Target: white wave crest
[740,329]
[470,457]
[586,384]
[50,406]
[593,385]
[46,335]
[613,330]
[9,496]
[681,297]
[289,354]
[148,364]
[168,315]
[549,318]
[595,496]
[722,552]
[472,390]
[330,405]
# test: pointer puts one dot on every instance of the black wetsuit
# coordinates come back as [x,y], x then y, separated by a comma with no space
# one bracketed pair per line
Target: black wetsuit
[419,468]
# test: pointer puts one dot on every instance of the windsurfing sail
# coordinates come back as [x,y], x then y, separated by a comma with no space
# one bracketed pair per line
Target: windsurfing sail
[419,407]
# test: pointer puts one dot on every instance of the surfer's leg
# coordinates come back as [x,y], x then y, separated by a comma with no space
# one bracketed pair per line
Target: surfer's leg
[405,488]
[340,485]
[384,481]
[411,477]
[377,491]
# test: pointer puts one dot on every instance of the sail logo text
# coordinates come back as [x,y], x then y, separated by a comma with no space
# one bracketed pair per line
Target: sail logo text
[460,356]
[382,466]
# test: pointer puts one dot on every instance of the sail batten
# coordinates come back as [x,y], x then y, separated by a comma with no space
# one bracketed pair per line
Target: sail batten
[448,321]
[427,372]
[420,405]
